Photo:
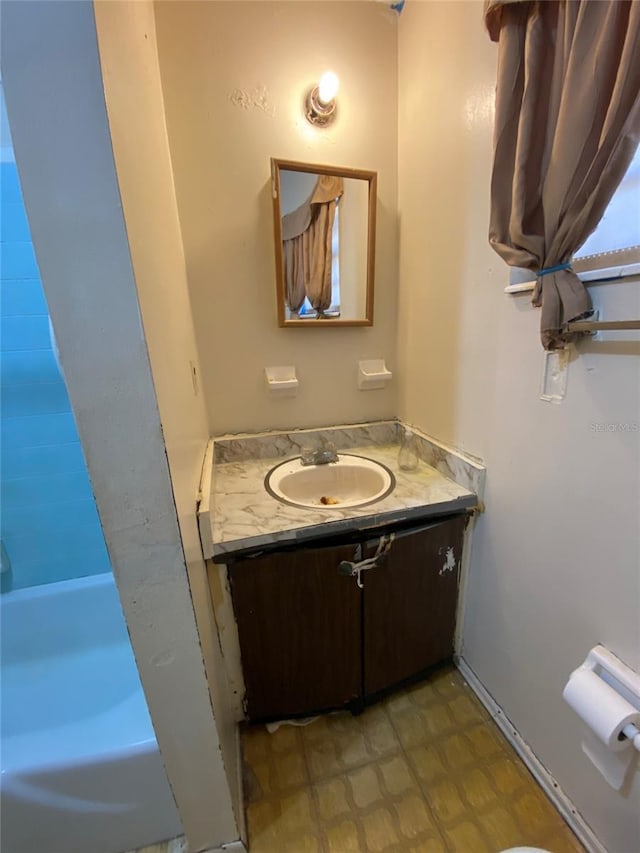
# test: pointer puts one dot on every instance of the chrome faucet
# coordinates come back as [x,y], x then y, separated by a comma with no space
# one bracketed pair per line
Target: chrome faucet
[322,456]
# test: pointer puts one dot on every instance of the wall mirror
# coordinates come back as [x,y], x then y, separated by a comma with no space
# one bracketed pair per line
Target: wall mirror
[324,226]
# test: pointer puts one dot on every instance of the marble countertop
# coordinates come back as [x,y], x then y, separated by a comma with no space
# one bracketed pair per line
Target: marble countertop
[243,516]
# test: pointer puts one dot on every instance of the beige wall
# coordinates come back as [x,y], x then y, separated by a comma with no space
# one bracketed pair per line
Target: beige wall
[211,53]
[555,562]
[131,77]
[74,208]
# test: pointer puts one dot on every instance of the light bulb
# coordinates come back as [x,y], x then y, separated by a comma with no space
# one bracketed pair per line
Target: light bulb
[328,87]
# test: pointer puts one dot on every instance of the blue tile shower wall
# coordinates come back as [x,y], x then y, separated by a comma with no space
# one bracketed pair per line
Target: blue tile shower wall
[50,526]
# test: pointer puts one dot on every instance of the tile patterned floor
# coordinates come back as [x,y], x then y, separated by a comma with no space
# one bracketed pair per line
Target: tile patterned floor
[425,771]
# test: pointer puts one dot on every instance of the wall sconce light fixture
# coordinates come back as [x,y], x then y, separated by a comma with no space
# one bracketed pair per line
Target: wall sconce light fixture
[320,104]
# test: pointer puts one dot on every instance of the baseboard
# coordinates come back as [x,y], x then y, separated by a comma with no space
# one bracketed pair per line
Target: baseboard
[231,847]
[241,818]
[537,769]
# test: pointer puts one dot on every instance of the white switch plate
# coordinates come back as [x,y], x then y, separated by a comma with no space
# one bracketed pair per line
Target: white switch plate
[554,376]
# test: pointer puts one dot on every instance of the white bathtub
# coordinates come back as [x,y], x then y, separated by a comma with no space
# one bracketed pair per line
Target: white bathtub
[81,770]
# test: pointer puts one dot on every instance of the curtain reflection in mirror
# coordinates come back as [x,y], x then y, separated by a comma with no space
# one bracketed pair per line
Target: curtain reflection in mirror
[307,237]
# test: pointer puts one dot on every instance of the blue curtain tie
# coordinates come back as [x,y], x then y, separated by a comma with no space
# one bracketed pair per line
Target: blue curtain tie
[557,268]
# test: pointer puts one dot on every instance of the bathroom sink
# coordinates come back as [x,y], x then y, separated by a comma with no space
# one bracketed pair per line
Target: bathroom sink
[352,481]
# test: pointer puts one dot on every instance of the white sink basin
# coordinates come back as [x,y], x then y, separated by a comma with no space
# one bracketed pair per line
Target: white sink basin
[351,481]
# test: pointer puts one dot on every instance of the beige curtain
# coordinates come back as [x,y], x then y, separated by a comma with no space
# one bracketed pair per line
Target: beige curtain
[307,235]
[566,128]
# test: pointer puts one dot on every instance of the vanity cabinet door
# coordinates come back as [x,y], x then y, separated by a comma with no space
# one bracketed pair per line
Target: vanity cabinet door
[299,624]
[410,604]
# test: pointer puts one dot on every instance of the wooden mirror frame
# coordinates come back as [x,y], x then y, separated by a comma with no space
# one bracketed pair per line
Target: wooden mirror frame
[314,168]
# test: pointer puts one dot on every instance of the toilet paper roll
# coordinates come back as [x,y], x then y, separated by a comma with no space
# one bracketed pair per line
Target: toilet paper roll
[614,766]
[604,710]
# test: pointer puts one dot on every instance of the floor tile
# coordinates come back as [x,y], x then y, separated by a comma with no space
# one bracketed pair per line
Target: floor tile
[533,814]
[343,838]
[365,787]
[424,771]
[274,764]
[500,826]
[256,744]
[428,763]
[508,775]
[414,817]
[467,709]
[446,802]
[331,799]
[380,736]
[296,815]
[284,824]
[465,837]
[322,759]
[379,831]
[396,775]
[411,726]
[486,740]
[458,752]
[352,751]
[290,771]
[477,789]
[429,845]
[342,742]
[564,842]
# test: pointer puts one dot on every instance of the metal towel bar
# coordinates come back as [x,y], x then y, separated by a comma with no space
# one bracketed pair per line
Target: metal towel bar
[596,325]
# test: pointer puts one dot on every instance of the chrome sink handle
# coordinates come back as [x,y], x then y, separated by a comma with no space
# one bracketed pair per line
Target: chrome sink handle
[322,456]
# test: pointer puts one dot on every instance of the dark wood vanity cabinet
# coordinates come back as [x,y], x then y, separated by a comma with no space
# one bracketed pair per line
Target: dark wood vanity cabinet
[312,640]
[410,603]
[300,632]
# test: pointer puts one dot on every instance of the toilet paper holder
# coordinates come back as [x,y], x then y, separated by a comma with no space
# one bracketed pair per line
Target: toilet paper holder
[620,678]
